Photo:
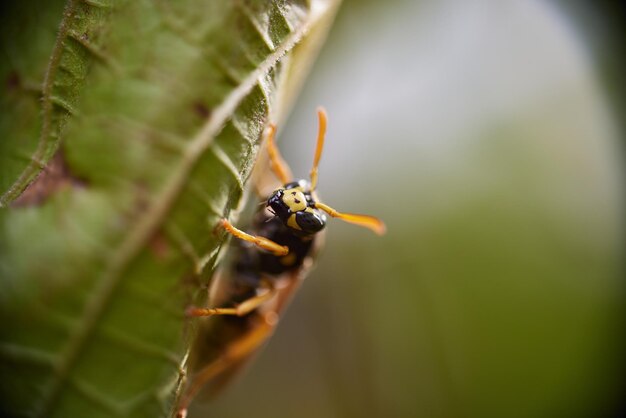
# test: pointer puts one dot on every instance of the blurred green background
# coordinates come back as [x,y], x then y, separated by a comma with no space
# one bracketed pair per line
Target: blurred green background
[483,134]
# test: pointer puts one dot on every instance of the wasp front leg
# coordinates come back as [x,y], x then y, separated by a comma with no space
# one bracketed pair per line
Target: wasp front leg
[260,242]
[240,309]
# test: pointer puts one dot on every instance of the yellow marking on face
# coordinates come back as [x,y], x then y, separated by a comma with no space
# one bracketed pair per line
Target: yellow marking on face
[291,222]
[294,199]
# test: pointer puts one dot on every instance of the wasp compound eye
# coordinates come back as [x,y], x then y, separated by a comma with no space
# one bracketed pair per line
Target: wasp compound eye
[310,222]
[276,203]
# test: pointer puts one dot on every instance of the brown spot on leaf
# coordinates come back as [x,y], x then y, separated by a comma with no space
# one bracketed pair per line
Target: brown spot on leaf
[201,110]
[13,81]
[159,246]
[55,177]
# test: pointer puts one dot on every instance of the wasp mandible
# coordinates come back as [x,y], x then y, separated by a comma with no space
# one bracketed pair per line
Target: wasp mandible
[270,262]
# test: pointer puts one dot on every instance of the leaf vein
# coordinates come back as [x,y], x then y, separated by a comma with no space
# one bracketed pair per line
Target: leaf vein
[28,355]
[261,31]
[139,346]
[225,160]
[95,51]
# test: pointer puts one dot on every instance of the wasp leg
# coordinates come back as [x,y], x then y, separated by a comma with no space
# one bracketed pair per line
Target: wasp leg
[237,351]
[277,164]
[241,309]
[261,242]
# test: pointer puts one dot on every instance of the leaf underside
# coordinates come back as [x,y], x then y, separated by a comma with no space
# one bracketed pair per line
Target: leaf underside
[140,121]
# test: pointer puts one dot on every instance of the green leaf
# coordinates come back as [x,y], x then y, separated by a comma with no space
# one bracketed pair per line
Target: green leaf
[129,128]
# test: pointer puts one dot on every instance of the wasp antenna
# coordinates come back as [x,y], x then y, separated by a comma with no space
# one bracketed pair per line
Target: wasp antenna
[366,221]
[321,133]
[277,163]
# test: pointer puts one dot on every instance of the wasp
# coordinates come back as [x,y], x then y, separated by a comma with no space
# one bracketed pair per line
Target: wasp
[270,262]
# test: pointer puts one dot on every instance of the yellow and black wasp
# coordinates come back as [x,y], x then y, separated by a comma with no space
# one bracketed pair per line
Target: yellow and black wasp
[269,264]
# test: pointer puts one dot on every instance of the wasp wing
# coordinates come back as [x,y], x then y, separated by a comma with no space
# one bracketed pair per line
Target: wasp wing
[227,343]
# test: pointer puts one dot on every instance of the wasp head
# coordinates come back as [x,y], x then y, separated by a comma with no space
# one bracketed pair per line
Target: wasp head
[294,205]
